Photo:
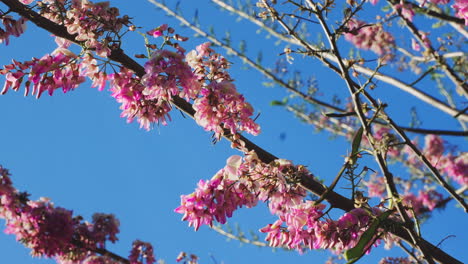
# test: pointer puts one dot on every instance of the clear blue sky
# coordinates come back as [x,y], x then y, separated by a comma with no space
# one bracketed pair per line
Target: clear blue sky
[75,149]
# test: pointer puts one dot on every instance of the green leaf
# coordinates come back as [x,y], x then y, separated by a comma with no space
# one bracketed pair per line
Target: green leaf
[268,84]
[356,144]
[386,8]
[438,24]
[354,254]
[279,103]
[275,102]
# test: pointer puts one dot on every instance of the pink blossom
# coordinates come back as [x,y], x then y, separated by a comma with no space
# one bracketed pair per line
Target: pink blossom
[127,89]
[435,2]
[157,32]
[434,147]
[426,200]
[375,186]
[219,104]
[12,28]
[415,45]
[456,168]
[370,37]
[48,73]
[300,222]
[141,250]
[215,199]
[406,11]
[461,8]
[53,231]
[165,73]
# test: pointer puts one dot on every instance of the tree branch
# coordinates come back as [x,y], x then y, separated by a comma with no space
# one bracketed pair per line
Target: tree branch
[434,102]
[335,199]
[449,71]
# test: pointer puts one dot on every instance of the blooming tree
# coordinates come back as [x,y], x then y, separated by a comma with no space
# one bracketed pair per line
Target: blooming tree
[311,213]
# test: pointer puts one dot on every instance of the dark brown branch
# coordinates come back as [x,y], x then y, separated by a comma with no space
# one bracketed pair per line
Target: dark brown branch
[245,59]
[435,14]
[435,131]
[449,71]
[118,55]
[107,253]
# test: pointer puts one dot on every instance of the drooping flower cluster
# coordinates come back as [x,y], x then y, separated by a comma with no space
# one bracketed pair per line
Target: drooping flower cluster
[51,72]
[405,10]
[11,27]
[141,250]
[216,199]
[461,8]
[127,89]
[187,259]
[200,76]
[167,75]
[451,163]
[97,25]
[147,98]
[219,103]
[426,200]
[54,232]
[300,223]
[60,69]
[370,37]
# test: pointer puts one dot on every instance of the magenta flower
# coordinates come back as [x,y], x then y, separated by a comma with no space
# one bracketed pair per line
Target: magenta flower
[370,37]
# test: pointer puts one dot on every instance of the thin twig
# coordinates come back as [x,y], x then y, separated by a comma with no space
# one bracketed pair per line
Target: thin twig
[449,71]
[460,28]
[246,59]
[430,100]
[411,254]
[365,125]
[435,14]
[241,239]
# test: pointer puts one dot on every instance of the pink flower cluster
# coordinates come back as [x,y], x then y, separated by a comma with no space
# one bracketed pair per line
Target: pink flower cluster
[167,74]
[370,37]
[141,250]
[12,27]
[215,199]
[127,89]
[300,224]
[51,72]
[454,166]
[426,200]
[60,69]
[187,259]
[166,71]
[219,103]
[304,229]
[95,24]
[54,232]
[461,8]
[451,163]
[405,10]
[200,76]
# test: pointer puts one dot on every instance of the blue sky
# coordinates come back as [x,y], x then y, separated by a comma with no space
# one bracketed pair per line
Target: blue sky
[75,149]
